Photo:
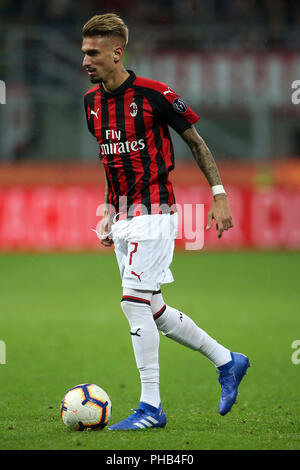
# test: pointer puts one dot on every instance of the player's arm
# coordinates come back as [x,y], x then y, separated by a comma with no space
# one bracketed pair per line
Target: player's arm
[106,203]
[105,222]
[219,210]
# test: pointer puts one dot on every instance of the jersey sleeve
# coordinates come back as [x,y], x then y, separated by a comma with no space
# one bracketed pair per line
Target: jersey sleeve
[87,113]
[173,109]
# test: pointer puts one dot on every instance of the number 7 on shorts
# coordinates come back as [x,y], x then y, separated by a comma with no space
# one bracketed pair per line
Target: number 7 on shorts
[135,247]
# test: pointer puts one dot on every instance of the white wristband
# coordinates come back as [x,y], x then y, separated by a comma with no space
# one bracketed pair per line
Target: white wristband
[218,189]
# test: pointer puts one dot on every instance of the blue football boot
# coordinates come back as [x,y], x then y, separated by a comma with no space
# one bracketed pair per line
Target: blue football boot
[230,379]
[144,417]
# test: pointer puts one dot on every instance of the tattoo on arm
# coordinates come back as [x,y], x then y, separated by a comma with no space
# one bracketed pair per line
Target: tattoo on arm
[202,155]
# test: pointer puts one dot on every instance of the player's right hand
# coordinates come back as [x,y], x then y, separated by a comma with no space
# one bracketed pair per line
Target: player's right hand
[105,228]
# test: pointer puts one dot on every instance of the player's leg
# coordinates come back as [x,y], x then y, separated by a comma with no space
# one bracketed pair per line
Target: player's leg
[231,366]
[181,328]
[136,305]
[139,280]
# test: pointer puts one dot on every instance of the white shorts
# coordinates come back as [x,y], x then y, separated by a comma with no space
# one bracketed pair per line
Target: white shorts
[144,247]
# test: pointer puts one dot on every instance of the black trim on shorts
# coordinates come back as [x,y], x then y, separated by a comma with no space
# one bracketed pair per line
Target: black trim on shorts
[137,300]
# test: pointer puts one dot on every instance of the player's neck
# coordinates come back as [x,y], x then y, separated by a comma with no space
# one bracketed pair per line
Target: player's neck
[115,81]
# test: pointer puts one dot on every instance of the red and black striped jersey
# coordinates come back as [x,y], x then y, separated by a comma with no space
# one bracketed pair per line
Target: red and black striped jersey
[131,127]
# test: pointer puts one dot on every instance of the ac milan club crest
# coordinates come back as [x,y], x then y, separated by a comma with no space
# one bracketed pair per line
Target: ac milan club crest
[133,109]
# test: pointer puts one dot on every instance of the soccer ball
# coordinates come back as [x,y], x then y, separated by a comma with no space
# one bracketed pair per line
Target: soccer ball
[85,406]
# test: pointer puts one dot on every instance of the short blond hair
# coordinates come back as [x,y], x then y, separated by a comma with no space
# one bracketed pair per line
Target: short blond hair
[109,24]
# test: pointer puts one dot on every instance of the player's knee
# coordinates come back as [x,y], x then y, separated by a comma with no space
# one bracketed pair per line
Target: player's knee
[169,320]
[158,305]
[126,306]
[136,303]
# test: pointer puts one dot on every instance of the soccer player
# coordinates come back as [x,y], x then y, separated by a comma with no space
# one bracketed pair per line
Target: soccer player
[129,116]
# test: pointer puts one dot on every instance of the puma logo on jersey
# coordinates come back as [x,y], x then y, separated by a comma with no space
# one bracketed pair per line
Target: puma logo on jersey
[95,112]
[136,333]
[137,275]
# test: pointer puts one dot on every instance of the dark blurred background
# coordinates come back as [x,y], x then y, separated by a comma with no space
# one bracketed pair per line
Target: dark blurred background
[233,61]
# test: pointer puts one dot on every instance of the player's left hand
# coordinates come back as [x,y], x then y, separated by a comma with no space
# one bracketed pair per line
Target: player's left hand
[220,212]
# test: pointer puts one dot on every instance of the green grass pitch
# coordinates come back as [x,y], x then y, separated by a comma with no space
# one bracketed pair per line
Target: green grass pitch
[62,325]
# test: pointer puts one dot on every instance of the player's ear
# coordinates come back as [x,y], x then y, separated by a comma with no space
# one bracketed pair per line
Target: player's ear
[117,54]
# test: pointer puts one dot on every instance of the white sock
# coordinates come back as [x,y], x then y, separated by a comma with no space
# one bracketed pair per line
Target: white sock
[179,327]
[145,340]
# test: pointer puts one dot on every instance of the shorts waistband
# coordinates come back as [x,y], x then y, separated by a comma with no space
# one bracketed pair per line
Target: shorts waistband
[138,212]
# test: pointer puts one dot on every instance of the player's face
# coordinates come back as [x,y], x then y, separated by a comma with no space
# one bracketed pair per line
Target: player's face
[99,57]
